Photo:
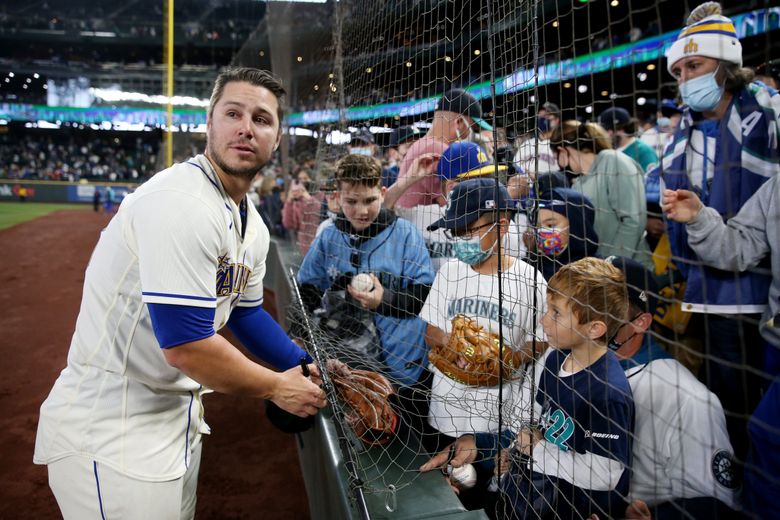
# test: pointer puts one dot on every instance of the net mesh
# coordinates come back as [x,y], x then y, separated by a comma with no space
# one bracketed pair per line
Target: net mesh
[571,110]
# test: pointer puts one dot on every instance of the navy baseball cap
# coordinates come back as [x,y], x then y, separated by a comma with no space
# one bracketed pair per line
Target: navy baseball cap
[363,135]
[461,102]
[613,118]
[670,107]
[403,134]
[640,282]
[465,160]
[470,199]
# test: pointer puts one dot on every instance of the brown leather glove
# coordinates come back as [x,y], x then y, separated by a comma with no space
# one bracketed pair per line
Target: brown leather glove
[471,355]
[366,406]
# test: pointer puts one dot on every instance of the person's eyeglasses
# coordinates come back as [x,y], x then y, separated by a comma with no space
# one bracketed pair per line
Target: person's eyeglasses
[465,234]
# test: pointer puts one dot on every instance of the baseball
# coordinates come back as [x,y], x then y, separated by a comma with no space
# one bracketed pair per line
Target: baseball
[464,477]
[362,282]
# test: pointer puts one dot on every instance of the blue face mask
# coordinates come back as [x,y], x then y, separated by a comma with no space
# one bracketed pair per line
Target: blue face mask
[663,122]
[702,94]
[543,124]
[469,250]
[361,151]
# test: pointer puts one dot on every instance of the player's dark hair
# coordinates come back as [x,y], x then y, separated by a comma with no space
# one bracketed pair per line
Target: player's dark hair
[256,77]
[360,170]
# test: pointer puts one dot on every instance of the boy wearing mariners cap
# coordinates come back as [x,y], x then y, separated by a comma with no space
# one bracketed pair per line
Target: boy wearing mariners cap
[682,456]
[477,216]
[462,160]
[724,149]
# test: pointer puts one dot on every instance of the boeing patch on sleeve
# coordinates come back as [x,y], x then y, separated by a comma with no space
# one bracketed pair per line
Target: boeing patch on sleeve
[722,469]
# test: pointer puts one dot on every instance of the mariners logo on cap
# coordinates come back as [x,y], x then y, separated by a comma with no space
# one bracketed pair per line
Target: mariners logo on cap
[643,296]
[490,204]
[722,469]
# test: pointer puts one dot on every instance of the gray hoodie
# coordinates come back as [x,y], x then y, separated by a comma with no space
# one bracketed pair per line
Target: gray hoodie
[742,242]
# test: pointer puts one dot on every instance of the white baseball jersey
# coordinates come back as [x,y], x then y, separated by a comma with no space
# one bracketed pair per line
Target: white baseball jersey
[529,150]
[439,246]
[457,409]
[514,238]
[177,241]
[681,446]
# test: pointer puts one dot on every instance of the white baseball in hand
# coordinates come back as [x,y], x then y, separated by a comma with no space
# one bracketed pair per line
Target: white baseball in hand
[362,282]
[464,477]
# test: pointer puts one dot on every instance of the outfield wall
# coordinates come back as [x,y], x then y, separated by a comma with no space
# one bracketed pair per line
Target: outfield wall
[59,191]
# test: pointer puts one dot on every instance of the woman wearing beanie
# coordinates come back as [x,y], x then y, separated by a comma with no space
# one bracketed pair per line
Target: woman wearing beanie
[724,149]
[612,181]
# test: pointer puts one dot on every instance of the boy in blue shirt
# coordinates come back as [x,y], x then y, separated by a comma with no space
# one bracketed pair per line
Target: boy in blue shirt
[576,462]
[367,239]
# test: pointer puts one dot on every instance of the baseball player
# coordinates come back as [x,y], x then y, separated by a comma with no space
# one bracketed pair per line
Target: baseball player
[682,457]
[184,256]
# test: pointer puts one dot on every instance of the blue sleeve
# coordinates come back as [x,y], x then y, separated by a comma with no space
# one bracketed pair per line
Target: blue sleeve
[178,324]
[489,445]
[313,271]
[417,267]
[264,338]
[653,186]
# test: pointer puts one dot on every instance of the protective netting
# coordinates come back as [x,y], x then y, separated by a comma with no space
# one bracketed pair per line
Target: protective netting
[555,312]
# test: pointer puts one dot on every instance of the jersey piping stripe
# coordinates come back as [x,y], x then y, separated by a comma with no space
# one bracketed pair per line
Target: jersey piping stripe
[187,433]
[182,296]
[97,482]
[198,166]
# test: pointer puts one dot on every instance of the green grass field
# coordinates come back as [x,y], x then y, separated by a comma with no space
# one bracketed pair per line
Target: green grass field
[12,213]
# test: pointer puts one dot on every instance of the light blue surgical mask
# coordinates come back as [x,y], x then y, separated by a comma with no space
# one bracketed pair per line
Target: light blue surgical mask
[663,122]
[702,94]
[469,250]
[361,151]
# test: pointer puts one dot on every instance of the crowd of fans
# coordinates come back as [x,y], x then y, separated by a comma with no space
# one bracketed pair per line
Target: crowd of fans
[698,343]
[72,156]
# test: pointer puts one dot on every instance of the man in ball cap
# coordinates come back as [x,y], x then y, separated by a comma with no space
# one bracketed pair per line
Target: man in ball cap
[462,160]
[695,456]
[622,128]
[456,114]
[725,148]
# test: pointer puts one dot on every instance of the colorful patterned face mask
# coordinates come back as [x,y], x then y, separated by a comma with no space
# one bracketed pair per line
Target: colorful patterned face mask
[549,241]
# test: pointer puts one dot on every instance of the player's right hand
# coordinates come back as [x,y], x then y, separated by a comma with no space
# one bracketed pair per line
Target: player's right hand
[462,451]
[295,393]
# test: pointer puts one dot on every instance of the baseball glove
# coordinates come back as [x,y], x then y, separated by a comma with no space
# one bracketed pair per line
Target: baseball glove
[471,355]
[366,406]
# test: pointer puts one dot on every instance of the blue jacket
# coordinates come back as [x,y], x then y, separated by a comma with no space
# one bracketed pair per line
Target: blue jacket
[397,255]
[745,157]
